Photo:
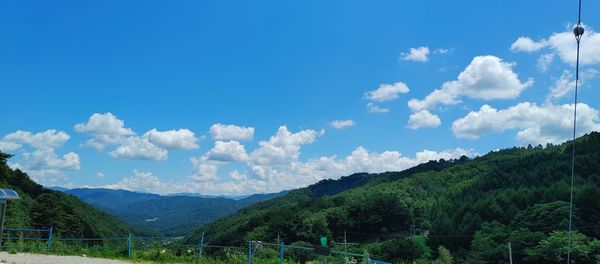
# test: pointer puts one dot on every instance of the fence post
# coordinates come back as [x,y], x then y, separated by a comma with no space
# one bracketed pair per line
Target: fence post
[281,250]
[200,248]
[49,247]
[249,252]
[129,245]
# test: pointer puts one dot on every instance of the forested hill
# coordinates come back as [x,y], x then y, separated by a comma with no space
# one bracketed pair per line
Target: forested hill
[42,208]
[471,207]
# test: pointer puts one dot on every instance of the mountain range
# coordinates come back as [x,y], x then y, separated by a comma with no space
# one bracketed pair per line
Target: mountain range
[471,208]
[171,215]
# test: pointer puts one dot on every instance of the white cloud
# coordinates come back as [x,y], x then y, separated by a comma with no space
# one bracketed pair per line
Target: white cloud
[45,167]
[139,148]
[141,182]
[536,124]
[423,119]
[339,124]
[237,176]
[486,78]
[376,109]
[204,170]
[544,61]
[298,174]
[9,146]
[526,44]
[100,175]
[564,45]
[227,151]
[231,132]
[47,159]
[106,129]
[42,140]
[566,83]
[387,92]
[441,51]
[282,170]
[282,147]
[420,54]
[173,139]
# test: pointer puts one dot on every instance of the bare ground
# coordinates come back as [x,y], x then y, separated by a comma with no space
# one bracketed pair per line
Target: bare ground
[26,258]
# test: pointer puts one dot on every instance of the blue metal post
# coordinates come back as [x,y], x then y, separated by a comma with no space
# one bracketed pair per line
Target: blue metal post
[249,252]
[281,249]
[49,247]
[200,248]
[129,245]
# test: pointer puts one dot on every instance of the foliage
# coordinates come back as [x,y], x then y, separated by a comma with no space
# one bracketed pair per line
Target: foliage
[471,207]
[42,208]
[174,215]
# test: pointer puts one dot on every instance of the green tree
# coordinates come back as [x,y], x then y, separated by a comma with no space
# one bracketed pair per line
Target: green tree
[444,256]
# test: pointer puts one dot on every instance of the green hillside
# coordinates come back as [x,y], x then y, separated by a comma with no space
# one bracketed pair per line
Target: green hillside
[40,207]
[473,207]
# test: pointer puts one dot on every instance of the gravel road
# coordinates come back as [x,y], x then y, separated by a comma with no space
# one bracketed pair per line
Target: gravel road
[25,258]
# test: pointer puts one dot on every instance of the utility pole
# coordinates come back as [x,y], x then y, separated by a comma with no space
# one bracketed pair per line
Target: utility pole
[510,253]
[345,249]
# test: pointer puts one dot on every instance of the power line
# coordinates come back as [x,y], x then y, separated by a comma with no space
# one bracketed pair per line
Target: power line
[578,32]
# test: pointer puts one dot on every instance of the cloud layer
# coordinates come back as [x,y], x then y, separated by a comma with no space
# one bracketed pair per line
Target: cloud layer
[485,78]
[563,44]
[535,124]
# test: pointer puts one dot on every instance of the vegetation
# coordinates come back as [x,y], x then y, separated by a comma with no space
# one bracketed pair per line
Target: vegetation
[156,215]
[43,208]
[464,211]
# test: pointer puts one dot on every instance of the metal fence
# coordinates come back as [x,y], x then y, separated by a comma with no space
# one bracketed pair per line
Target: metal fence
[307,253]
[163,248]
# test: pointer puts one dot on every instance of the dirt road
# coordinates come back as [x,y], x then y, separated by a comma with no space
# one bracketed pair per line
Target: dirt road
[26,258]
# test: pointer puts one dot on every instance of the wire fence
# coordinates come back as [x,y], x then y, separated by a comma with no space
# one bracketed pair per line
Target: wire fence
[306,253]
[165,249]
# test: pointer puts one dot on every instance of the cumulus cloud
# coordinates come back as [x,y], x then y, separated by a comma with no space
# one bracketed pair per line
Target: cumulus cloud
[376,109]
[231,132]
[544,61]
[106,129]
[173,139]
[563,44]
[566,83]
[281,168]
[227,151]
[298,173]
[45,166]
[422,119]
[526,44]
[42,140]
[9,146]
[100,175]
[420,54]
[283,147]
[535,124]
[339,124]
[485,78]
[204,169]
[387,92]
[238,176]
[140,181]
[47,159]
[139,148]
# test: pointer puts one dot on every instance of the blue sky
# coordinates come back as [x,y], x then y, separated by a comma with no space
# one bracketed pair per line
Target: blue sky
[232,97]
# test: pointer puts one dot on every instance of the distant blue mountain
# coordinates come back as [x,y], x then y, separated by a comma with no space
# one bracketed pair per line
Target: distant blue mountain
[173,215]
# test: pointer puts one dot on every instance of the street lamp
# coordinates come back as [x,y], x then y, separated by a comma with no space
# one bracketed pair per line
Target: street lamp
[5,196]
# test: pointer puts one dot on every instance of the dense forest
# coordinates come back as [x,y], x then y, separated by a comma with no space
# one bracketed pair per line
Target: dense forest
[462,211]
[42,208]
